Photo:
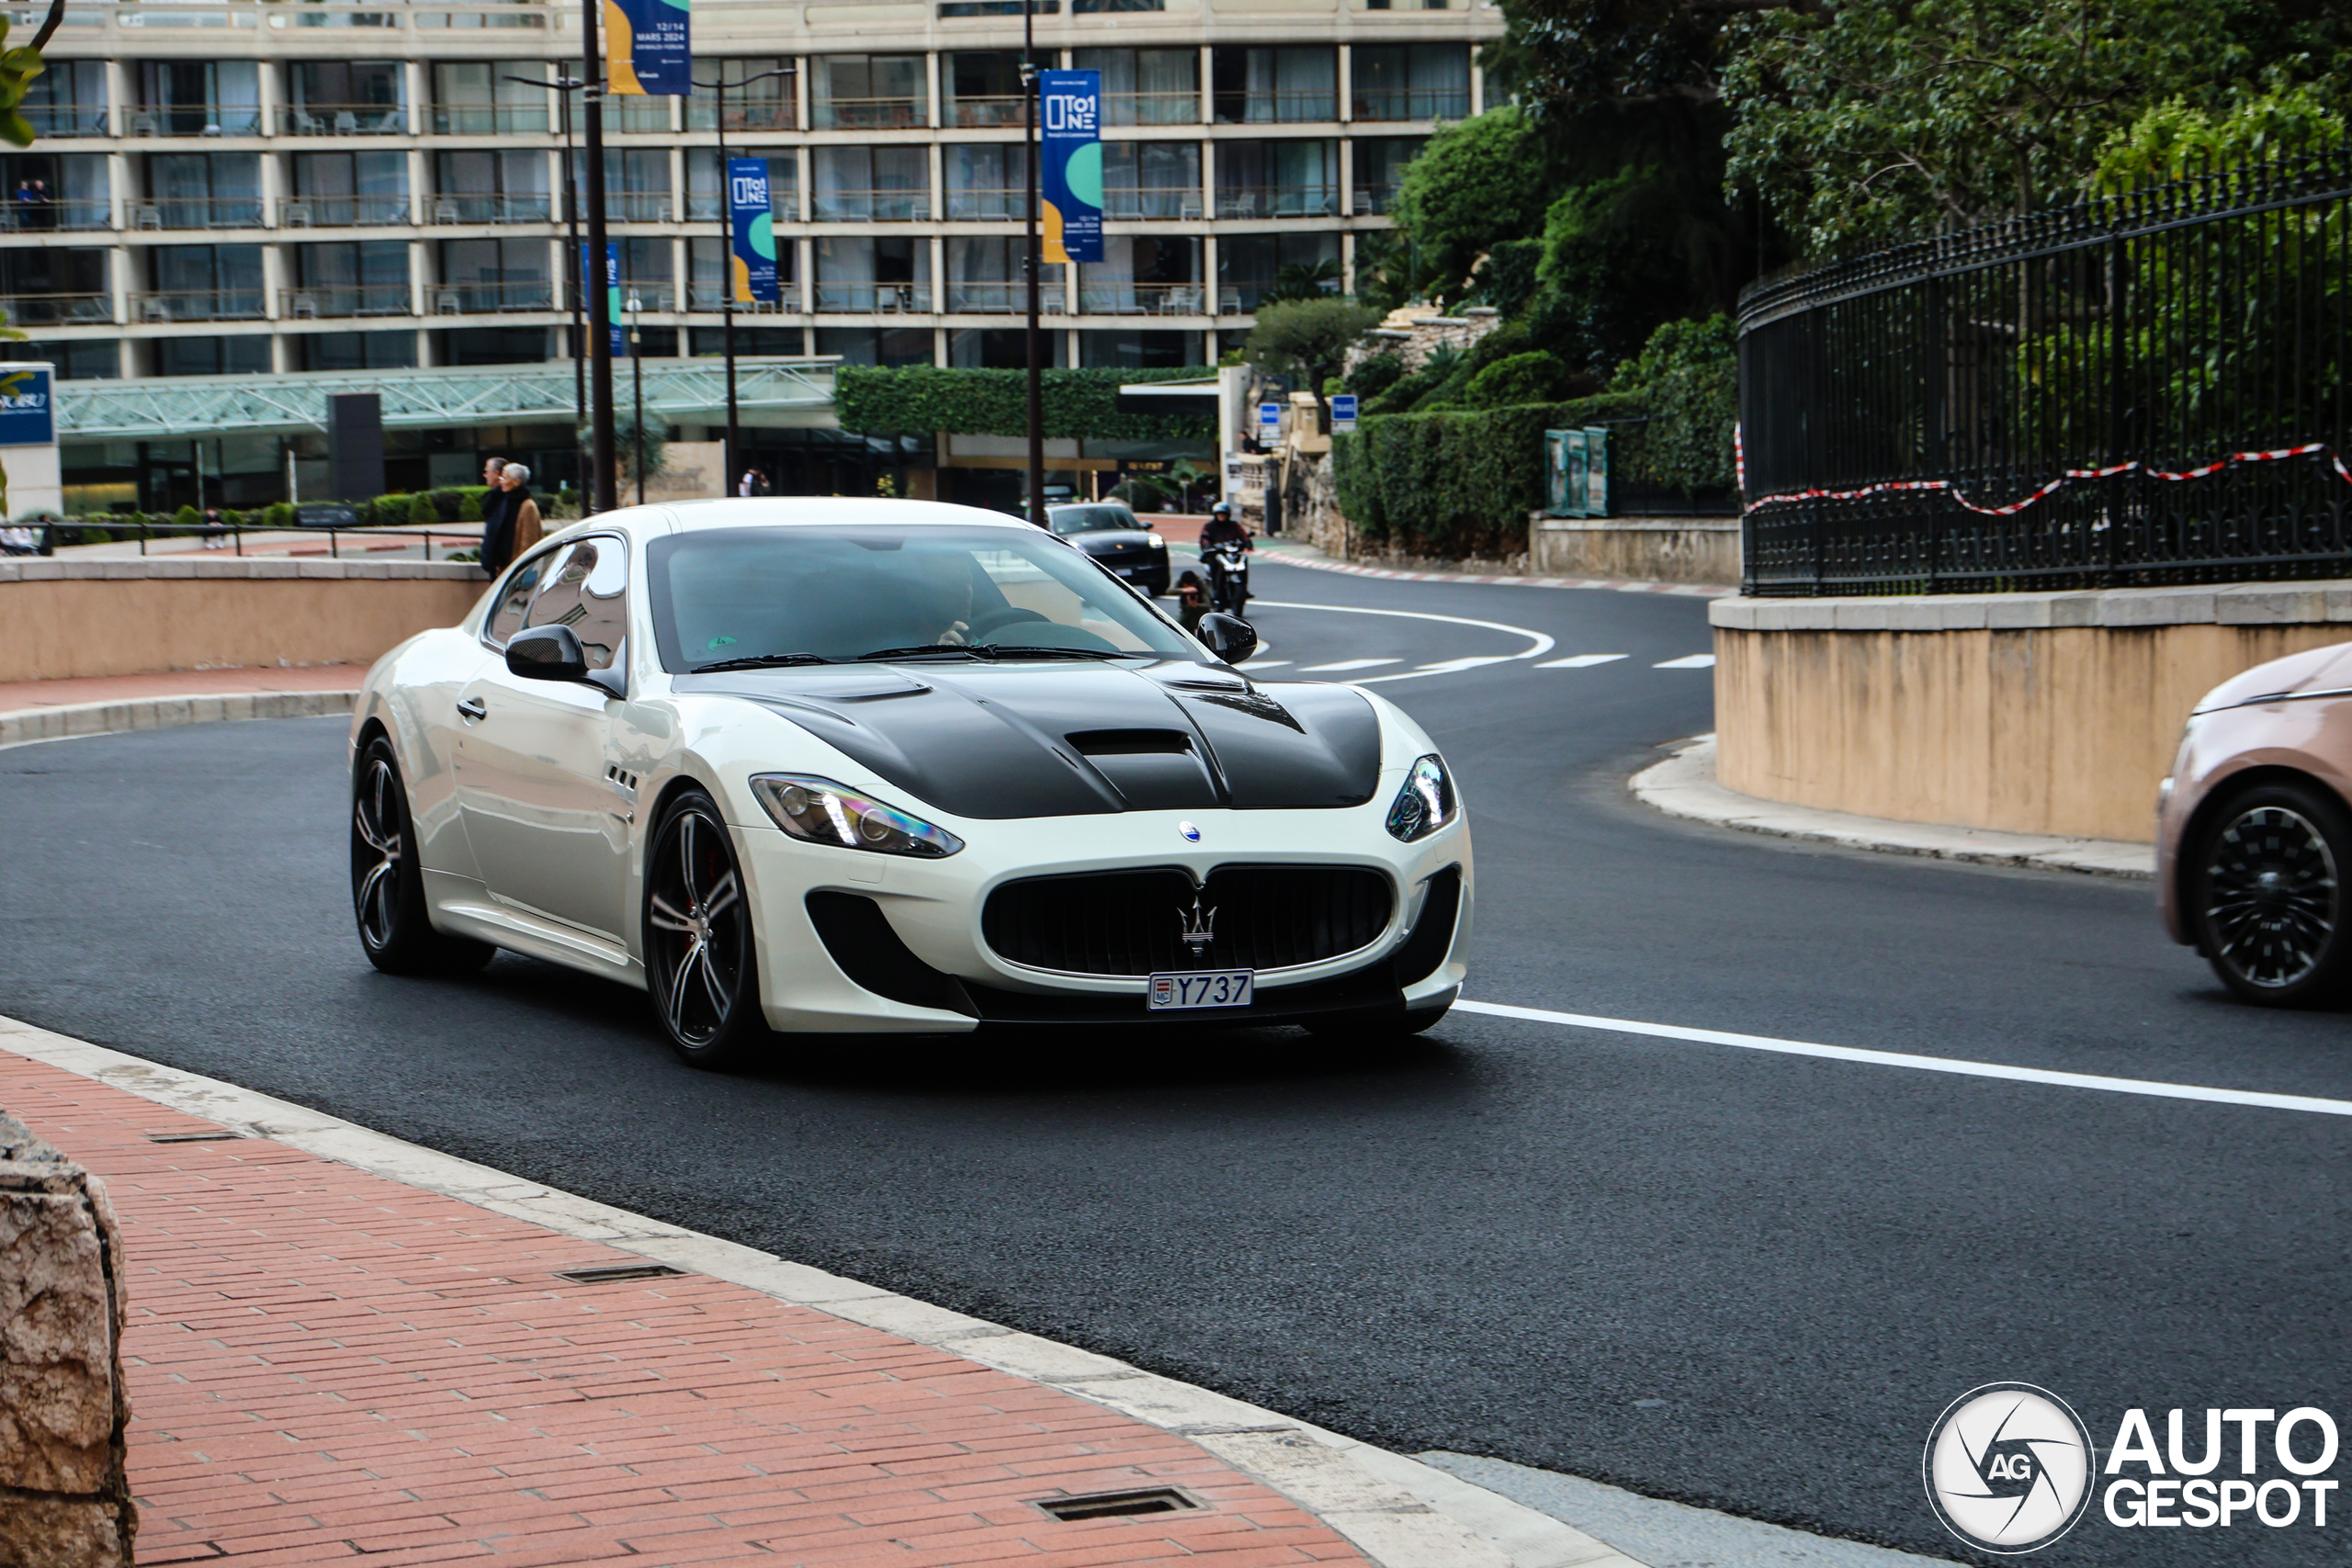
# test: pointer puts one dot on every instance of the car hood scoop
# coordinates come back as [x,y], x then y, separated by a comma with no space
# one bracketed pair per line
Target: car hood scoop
[1004,742]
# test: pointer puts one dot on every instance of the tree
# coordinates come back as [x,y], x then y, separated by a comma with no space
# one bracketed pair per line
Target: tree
[657,444]
[1476,183]
[1307,337]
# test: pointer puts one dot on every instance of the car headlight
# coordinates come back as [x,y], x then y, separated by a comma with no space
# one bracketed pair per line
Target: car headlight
[819,811]
[1425,804]
[1155,541]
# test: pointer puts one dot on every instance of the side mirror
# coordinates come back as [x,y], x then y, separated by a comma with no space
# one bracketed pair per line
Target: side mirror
[546,653]
[1230,638]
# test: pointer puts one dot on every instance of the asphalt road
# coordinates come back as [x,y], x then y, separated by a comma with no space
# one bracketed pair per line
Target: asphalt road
[1740,1280]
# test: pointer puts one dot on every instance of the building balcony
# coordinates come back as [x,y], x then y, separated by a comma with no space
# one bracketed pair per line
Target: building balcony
[708,206]
[769,115]
[1375,200]
[871,206]
[482,120]
[1278,201]
[712,298]
[875,298]
[967,114]
[1394,104]
[462,208]
[55,122]
[1151,108]
[983,205]
[344,211]
[56,309]
[1143,299]
[197,305]
[639,207]
[41,217]
[196,212]
[1134,203]
[343,120]
[490,299]
[1003,298]
[338,302]
[869,114]
[190,121]
[1276,108]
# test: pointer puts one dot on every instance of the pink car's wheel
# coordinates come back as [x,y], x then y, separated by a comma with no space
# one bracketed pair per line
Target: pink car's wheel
[2268,895]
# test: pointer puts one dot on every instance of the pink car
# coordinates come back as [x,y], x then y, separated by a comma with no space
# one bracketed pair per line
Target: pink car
[2253,838]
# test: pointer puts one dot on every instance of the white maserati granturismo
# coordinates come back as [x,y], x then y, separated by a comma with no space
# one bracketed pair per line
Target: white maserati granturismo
[827,766]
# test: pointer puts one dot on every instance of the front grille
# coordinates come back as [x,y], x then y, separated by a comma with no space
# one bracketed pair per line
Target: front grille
[1132,922]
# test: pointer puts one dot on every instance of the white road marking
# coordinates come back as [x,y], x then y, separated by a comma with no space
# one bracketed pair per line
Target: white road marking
[1538,643]
[1580,662]
[1348,664]
[1451,665]
[2153,1087]
[1695,661]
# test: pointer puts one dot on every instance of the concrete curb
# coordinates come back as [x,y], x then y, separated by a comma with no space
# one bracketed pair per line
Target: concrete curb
[1307,555]
[1397,1511]
[28,726]
[1684,785]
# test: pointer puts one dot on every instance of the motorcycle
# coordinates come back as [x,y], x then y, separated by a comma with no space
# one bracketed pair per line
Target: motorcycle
[1228,567]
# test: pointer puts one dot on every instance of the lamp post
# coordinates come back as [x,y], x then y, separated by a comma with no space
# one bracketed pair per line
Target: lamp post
[727,261]
[1030,264]
[565,86]
[599,495]
[636,377]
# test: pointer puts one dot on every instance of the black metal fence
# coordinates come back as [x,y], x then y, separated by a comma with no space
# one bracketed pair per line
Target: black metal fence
[2143,389]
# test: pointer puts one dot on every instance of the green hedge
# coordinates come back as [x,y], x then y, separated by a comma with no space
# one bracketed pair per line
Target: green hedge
[912,399]
[1461,482]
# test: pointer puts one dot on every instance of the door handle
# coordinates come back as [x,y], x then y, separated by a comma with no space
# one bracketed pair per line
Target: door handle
[473,707]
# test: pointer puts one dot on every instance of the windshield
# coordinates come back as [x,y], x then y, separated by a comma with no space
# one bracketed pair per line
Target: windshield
[858,592]
[1090,519]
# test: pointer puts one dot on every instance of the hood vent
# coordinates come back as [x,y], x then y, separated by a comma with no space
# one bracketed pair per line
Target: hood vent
[1131,742]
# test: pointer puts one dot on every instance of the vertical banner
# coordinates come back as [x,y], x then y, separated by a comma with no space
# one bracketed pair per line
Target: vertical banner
[612,294]
[646,48]
[751,265]
[1070,192]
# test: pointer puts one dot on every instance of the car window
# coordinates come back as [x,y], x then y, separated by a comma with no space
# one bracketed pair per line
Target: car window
[584,586]
[846,591]
[1100,519]
[506,615]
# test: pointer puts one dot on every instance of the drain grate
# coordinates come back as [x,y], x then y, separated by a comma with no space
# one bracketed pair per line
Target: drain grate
[617,1273]
[1116,1505]
[220,1137]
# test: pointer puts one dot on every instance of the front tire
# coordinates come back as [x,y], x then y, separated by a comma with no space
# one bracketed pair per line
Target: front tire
[699,965]
[388,883]
[2267,898]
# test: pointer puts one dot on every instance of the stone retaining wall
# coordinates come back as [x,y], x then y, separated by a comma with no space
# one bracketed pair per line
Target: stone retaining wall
[63,1499]
[2031,713]
[67,618]
[1647,549]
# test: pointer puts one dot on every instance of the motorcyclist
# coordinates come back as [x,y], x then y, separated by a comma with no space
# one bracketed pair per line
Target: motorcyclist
[1224,528]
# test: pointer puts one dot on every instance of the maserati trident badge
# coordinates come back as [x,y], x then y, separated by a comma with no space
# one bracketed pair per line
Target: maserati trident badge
[1199,927]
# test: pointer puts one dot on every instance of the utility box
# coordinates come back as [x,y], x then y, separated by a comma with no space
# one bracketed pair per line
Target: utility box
[1575,472]
[354,446]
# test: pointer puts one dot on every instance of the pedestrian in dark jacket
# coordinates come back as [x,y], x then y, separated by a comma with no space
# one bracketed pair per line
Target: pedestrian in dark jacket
[497,518]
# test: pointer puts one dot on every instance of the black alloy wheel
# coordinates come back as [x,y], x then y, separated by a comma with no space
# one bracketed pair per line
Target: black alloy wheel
[386,884]
[2266,894]
[698,960]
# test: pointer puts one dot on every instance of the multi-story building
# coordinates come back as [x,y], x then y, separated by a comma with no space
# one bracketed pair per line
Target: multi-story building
[227,193]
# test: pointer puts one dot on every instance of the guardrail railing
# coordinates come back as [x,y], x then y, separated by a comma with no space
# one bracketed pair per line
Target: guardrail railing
[1407,103]
[869,206]
[865,299]
[197,305]
[869,114]
[1277,201]
[56,309]
[1005,299]
[344,211]
[487,119]
[342,120]
[336,302]
[196,212]
[460,207]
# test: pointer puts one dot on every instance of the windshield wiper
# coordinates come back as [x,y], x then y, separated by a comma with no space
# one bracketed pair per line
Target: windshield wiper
[1027,652]
[969,650]
[761,661]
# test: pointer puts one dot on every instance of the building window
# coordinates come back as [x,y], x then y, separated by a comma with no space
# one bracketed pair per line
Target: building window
[1151,179]
[866,184]
[858,274]
[195,97]
[212,356]
[985,182]
[1248,266]
[480,97]
[75,359]
[763,105]
[637,184]
[492,345]
[1138,350]
[1144,274]
[201,283]
[867,90]
[201,190]
[876,345]
[491,275]
[649,271]
[482,187]
[767,342]
[1410,81]
[703,198]
[1002,348]
[1252,87]
[45,192]
[707,275]
[951,10]
[985,277]
[1380,168]
[1146,87]
[365,277]
[981,89]
[68,98]
[343,99]
[356,351]
[337,189]
[43,286]
[1278,179]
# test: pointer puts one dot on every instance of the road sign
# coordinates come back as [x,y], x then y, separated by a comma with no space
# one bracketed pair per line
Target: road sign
[1343,412]
[1270,416]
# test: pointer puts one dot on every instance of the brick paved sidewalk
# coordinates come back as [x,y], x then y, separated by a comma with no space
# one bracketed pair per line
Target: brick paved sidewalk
[326,1365]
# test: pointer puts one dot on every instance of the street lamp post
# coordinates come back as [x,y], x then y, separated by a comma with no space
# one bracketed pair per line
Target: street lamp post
[636,378]
[1031,265]
[565,86]
[726,261]
[599,496]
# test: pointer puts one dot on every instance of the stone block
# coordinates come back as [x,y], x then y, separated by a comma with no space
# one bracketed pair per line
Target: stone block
[11,570]
[40,570]
[2155,608]
[64,1502]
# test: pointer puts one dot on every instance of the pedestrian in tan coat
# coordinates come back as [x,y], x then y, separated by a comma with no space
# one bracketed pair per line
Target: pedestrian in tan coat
[515,481]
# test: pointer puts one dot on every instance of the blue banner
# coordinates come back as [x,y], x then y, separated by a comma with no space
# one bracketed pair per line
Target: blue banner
[646,48]
[751,273]
[612,294]
[26,418]
[1072,186]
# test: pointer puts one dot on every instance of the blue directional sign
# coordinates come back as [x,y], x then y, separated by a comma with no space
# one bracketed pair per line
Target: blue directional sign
[1343,411]
[26,418]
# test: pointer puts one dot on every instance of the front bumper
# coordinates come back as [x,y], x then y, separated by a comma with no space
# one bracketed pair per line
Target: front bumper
[856,942]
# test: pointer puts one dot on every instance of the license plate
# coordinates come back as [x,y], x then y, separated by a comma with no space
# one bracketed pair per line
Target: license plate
[1201,988]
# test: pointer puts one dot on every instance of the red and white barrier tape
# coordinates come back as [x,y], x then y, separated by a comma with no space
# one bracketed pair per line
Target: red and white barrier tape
[1888,486]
